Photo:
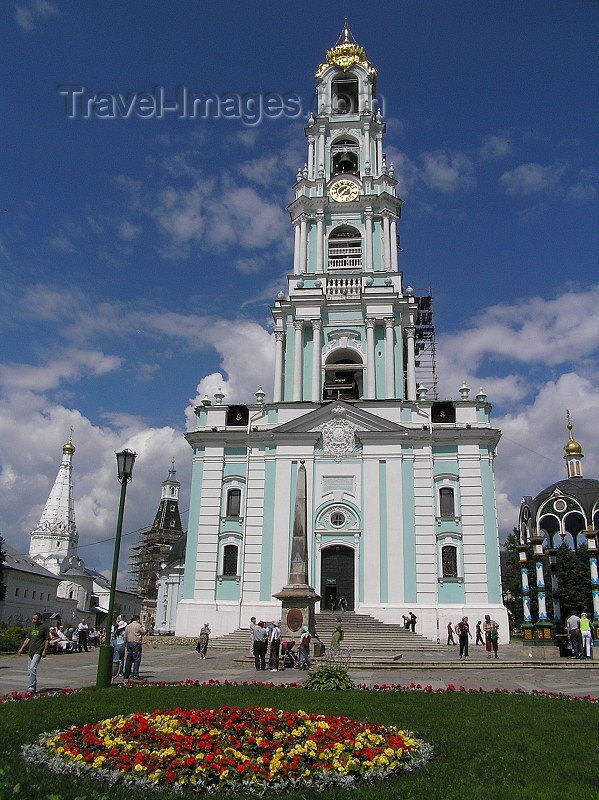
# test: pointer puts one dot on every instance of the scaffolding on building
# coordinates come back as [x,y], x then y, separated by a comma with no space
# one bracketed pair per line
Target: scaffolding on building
[147,556]
[426,355]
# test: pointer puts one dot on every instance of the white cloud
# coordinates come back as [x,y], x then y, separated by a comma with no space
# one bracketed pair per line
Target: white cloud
[581,193]
[533,331]
[495,146]
[71,365]
[531,179]
[448,172]
[28,16]
[62,244]
[128,231]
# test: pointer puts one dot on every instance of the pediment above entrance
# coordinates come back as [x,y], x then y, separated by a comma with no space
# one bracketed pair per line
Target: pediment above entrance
[339,411]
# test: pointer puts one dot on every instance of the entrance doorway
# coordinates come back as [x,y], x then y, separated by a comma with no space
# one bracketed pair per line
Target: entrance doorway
[337,576]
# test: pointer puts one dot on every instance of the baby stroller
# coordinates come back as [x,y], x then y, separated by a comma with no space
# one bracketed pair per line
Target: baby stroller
[288,656]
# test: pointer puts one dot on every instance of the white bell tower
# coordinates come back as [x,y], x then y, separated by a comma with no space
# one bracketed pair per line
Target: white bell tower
[346,329]
[55,537]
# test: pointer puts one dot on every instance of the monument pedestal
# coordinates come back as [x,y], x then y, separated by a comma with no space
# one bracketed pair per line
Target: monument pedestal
[298,610]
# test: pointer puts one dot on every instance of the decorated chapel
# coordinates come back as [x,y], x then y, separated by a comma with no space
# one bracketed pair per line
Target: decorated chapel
[399,485]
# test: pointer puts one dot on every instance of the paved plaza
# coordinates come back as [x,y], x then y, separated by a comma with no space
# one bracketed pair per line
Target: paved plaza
[169,662]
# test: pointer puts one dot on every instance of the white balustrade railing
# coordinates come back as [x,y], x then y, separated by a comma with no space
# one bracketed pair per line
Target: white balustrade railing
[344,287]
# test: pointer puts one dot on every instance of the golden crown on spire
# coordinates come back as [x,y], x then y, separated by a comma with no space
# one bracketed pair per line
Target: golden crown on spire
[572,448]
[346,53]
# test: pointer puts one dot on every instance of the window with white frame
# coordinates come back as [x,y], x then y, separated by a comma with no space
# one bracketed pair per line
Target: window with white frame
[230,556]
[233,503]
[449,561]
[446,502]
[447,494]
[449,555]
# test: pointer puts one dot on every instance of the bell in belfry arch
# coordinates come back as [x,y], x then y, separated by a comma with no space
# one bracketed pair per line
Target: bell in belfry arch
[346,162]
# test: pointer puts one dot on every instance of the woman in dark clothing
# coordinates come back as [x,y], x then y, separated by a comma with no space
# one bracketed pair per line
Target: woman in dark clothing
[203,643]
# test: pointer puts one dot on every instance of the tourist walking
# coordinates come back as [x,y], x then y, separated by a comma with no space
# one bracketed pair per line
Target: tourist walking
[342,605]
[274,637]
[413,619]
[337,637]
[133,638]
[450,639]
[585,630]
[36,642]
[463,631]
[260,635]
[118,657]
[574,635]
[491,629]
[202,645]
[479,634]
[82,632]
[304,649]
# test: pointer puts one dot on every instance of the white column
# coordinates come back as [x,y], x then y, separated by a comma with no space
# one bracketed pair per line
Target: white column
[371,385]
[367,159]
[296,249]
[541,591]
[311,158]
[386,242]
[411,365]
[278,387]
[379,154]
[319,240]
[389,360]
[303,254]
[321,160]
[393,244]
[297,360]
[316,359]
[368,239]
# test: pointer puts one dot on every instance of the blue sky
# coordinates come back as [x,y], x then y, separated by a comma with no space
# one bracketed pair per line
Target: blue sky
[140,254]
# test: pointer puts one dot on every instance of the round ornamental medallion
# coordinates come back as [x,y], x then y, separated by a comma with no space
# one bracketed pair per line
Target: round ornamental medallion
[295,619]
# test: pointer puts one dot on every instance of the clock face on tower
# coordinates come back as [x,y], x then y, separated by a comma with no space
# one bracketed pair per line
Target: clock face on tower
[344,191]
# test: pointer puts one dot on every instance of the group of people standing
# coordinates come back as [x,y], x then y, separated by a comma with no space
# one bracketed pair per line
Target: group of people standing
[127,639]
[265,634]
[580,639]
[489,627]
[409,621]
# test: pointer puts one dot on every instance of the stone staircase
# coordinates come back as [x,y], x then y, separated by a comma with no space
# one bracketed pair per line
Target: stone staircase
[369,642]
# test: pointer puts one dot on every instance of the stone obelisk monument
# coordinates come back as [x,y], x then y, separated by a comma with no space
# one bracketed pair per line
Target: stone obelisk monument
[298,598]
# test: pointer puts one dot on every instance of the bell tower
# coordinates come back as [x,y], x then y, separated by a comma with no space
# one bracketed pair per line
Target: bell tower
[346,328]
[55,537]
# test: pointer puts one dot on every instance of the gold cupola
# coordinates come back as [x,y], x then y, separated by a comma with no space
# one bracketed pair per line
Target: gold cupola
[573,453]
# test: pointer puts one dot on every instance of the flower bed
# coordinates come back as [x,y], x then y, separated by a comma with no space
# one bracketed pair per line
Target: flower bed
[231,749]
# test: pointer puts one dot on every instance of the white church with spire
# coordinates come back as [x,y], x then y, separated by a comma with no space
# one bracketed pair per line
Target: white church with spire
[55,537]
[52,579]
[400,488]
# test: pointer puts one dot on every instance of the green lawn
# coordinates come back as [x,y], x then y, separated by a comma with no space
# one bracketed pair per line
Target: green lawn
[487,746]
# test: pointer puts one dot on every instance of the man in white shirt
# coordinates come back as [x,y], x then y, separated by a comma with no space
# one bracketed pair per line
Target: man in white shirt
[574,634]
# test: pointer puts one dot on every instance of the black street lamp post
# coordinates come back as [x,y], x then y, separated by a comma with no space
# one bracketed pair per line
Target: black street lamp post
[125,461]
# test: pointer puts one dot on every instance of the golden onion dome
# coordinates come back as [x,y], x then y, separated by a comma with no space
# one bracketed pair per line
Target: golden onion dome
[572,448]
[69,447]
